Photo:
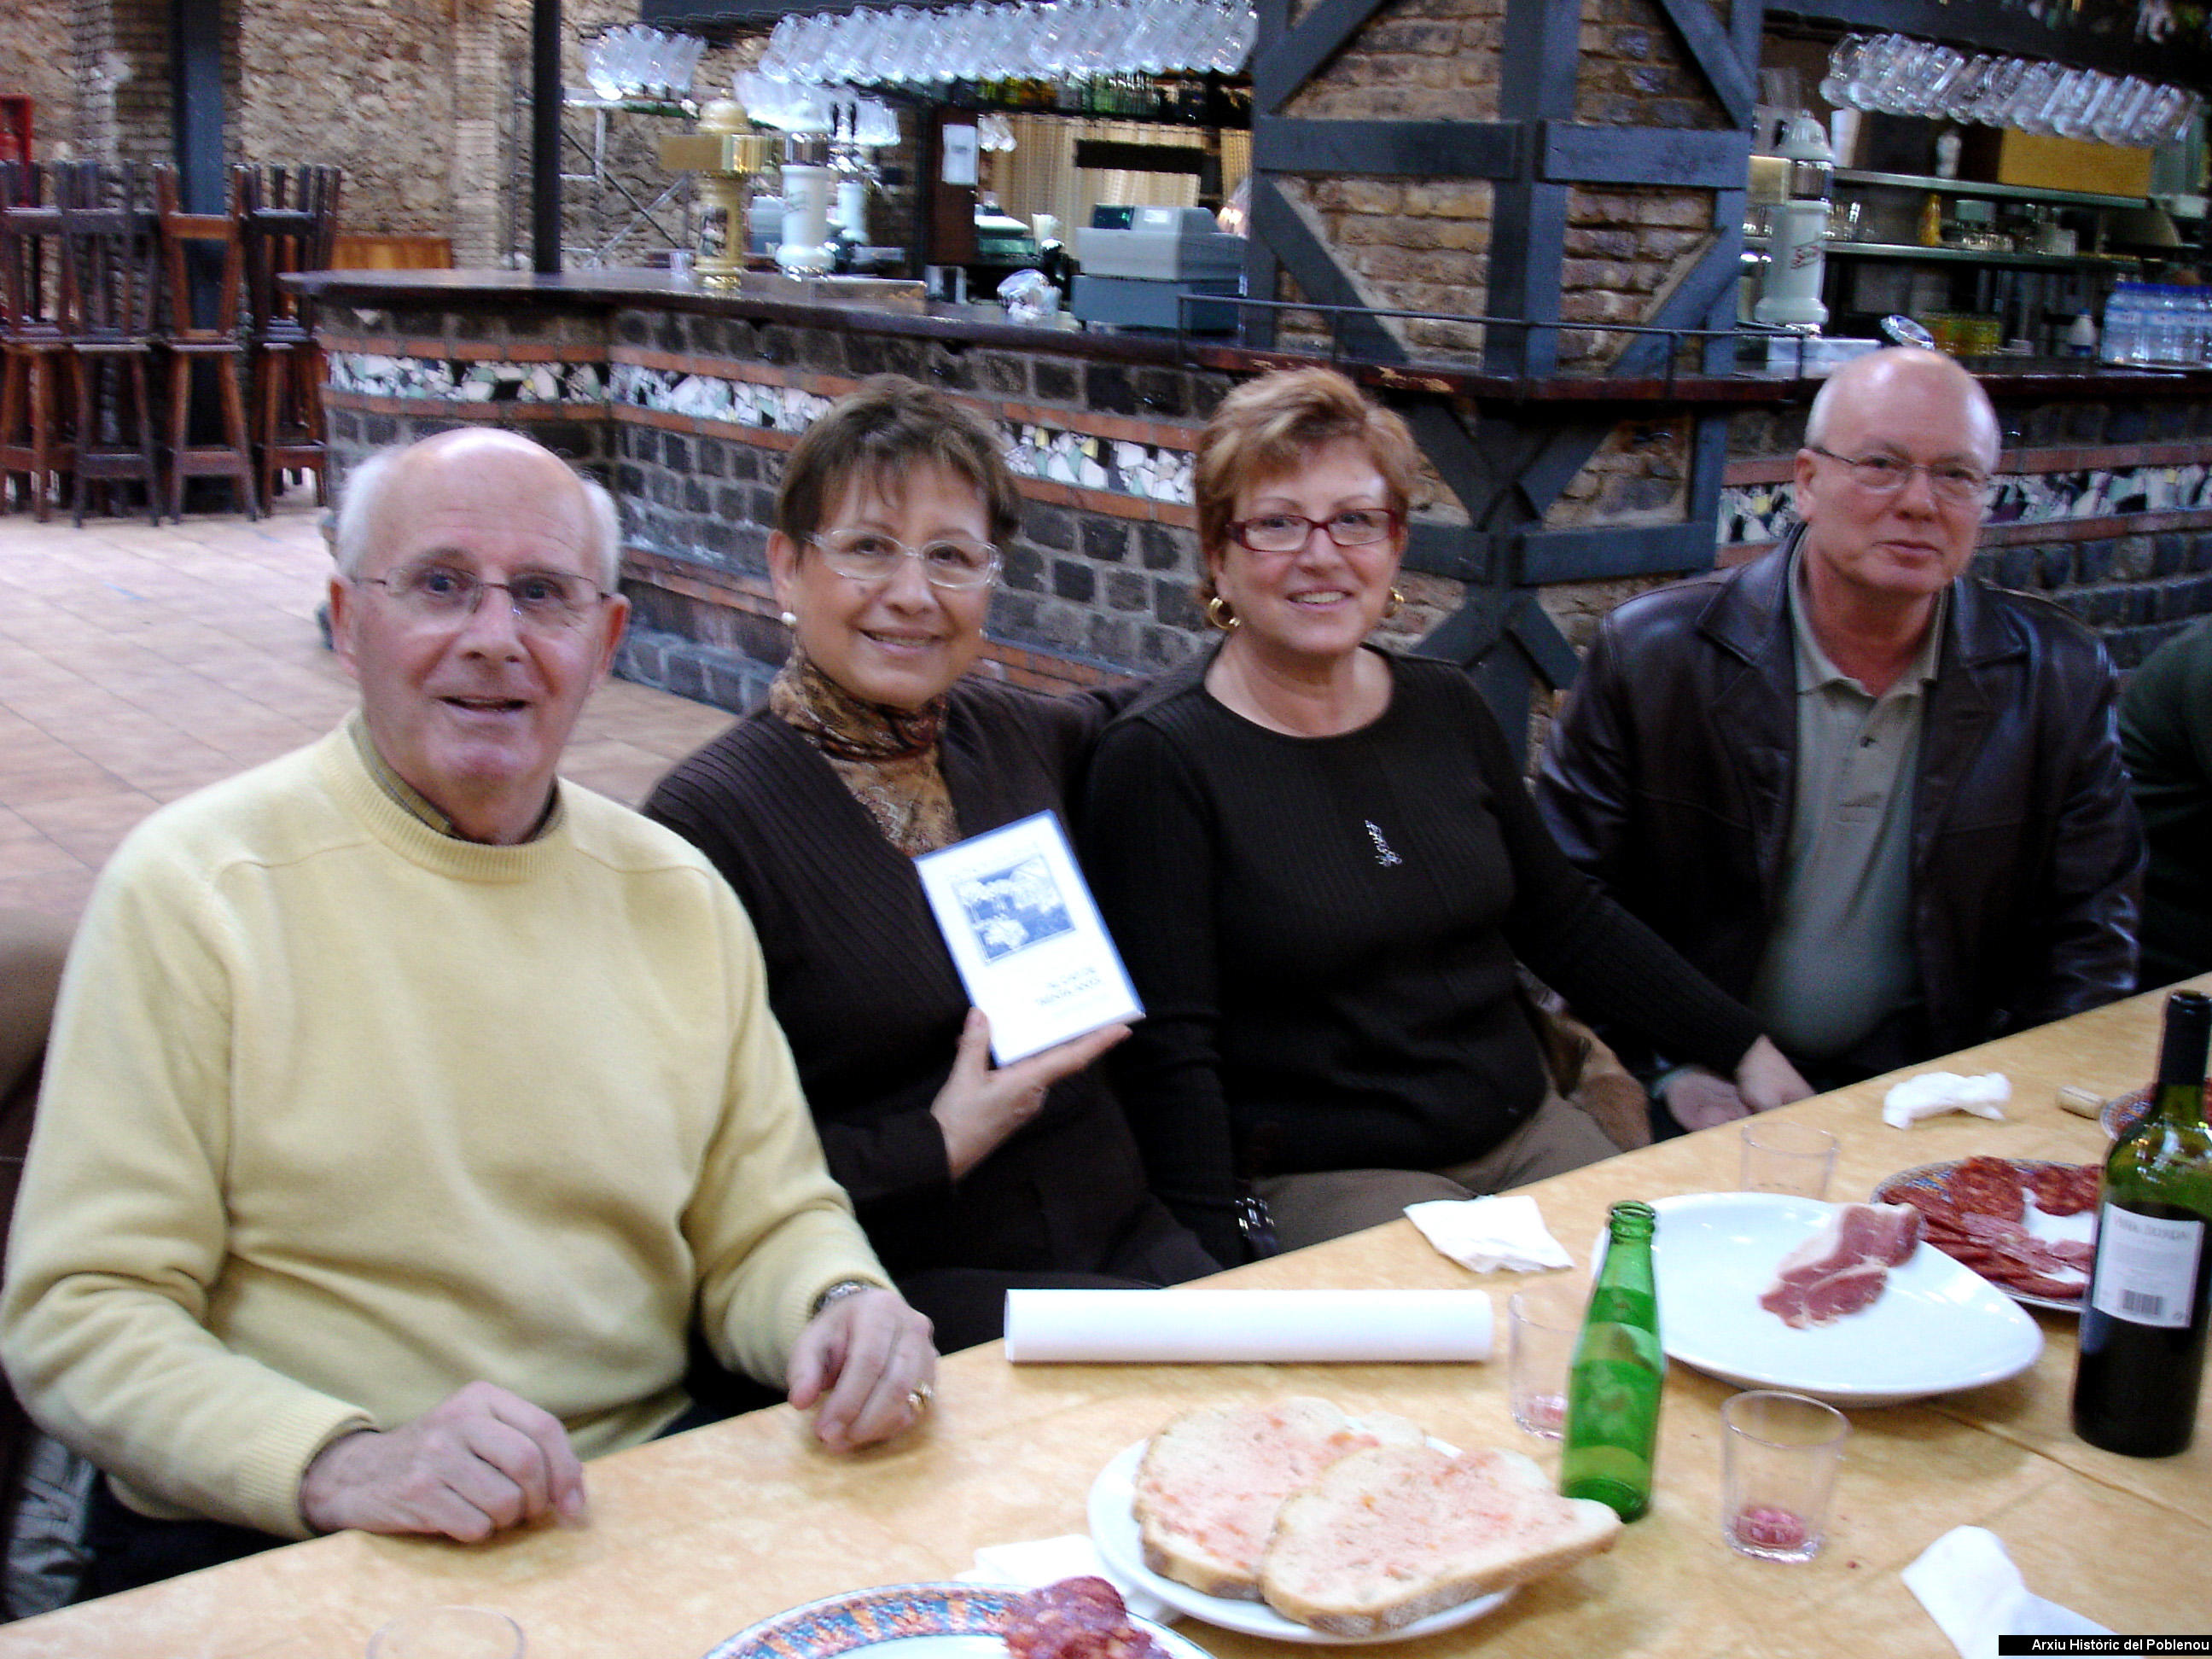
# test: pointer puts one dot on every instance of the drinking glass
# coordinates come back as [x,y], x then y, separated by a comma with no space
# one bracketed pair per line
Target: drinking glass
[452,1632]
[1842,62]
[1779,1455]
[2115,123]
[1543,1322]
[1780,1155]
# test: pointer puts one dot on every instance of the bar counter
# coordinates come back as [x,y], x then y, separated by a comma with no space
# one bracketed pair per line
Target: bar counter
[692,1539]
[1554,496]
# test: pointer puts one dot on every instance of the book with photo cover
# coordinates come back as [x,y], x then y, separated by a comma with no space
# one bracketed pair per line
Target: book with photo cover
[1026,936]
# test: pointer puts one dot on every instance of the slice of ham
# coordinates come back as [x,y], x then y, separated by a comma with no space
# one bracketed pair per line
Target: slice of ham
[1842,1268]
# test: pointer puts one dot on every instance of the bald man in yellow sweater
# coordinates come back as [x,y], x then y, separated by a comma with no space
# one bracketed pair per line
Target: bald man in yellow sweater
[405,1105]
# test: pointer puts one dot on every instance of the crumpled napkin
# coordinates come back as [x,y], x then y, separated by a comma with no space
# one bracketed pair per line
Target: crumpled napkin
[1487,1234]
[1931,1092]
[1975,1595]
[1036,1562]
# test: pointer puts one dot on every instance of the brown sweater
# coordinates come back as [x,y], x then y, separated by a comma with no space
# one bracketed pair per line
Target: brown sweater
[859,978]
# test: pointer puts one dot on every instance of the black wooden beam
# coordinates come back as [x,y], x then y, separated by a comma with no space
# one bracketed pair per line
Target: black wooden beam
[196,35]
[1313,268]
[1706,40]
[1433,149]
[1600,553]
[1286,58]
[547,98]
[1445,550]
[1569,152]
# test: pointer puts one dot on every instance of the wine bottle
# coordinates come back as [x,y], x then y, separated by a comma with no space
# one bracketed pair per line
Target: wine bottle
[2149,1300]
[1619,1370]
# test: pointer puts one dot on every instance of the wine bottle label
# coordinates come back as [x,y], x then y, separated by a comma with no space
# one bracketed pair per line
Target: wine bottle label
[2146,1267]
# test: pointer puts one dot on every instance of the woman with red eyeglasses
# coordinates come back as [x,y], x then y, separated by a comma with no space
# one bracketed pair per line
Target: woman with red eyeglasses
[1321,864]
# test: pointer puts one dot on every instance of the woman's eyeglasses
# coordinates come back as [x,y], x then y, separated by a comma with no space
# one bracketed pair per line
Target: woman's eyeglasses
[869,556]
[1286,532]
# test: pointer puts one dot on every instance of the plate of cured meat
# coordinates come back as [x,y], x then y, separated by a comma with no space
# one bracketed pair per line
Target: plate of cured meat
[1075,1618]
[1924,1324]
[2027,1226]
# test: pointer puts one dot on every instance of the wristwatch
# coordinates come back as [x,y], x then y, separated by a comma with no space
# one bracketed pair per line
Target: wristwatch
[838,1292]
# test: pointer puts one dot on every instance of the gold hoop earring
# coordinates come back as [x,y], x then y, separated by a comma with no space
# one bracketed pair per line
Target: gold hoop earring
[1397,603]
[1221,616]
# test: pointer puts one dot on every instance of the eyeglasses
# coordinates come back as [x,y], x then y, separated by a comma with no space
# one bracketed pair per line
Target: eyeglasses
[1286,532]
[1885,475]
[869,556]
[545,601]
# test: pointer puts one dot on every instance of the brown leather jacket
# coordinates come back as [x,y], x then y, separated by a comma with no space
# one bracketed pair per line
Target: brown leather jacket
[1669,779]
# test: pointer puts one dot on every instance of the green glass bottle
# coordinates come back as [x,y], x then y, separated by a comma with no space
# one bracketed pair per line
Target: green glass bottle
[1619,1371]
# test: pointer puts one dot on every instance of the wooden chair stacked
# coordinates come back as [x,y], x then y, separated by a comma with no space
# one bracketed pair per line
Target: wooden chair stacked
[288,219]
[111,257]
[204,263]
[37,447]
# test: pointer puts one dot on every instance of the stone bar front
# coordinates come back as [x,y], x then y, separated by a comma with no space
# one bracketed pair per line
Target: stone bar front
[685,399]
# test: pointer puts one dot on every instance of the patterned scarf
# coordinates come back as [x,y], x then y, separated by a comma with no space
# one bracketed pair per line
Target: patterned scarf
[887,757]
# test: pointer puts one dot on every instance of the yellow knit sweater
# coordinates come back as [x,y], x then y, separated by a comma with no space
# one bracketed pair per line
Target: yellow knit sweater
[341,1113]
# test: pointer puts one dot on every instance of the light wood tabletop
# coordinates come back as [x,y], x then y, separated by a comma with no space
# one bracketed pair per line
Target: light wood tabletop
[693,1538]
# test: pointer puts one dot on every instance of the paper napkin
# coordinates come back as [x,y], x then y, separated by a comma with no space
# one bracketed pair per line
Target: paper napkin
[1487,1234]
[1932,1092]
[1041,1561]
[1975,1595]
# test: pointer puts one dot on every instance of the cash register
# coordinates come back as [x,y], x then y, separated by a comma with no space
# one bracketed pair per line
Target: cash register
[1137,264]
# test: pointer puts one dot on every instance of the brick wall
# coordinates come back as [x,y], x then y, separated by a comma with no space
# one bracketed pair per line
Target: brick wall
[36,61]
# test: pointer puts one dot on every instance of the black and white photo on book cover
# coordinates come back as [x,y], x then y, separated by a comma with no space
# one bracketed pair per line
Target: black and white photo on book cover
[1026,936]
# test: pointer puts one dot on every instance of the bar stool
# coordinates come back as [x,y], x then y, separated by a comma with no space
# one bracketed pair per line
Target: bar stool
[287,218]
[111,257]
[188,344]
[36,445]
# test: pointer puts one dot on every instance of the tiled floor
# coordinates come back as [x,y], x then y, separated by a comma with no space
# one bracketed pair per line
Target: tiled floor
[138,663]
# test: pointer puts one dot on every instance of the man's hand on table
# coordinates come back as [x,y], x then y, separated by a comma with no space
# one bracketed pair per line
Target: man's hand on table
[479,1462]
[869,1361]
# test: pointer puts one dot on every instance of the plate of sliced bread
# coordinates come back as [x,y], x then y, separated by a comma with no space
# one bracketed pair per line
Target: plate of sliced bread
[1288,1519]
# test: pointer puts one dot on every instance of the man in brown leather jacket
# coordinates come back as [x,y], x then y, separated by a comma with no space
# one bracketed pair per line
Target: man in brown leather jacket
[1881,802]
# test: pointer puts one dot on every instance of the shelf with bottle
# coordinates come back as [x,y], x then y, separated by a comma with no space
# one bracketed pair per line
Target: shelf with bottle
[1977,190]
[1175,99]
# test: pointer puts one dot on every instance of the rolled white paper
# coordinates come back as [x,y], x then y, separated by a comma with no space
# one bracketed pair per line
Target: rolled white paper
[1200,1327]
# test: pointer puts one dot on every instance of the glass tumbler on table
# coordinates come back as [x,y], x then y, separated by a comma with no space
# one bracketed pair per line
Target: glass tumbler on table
[449,1632]
[1542,1323]
[1779,1455]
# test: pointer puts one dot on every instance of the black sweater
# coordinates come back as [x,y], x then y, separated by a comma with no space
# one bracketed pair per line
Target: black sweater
[860,979]
[1323,932]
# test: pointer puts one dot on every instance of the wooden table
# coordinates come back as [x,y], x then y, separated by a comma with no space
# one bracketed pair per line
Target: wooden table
[693,1538]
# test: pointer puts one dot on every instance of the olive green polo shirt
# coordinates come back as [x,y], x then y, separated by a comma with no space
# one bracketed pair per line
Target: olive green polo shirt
[1840,958]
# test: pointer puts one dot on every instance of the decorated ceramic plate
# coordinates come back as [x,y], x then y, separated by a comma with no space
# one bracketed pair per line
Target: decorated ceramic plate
[1114,1531]
[2051,1230]
[1938,1327]
[907,1622]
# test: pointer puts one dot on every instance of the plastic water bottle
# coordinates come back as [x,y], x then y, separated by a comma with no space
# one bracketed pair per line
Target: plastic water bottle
[2123,324]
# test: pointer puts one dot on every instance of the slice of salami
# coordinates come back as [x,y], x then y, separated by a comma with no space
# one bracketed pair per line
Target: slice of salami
[2064,1188]
[1075,1618]
[1988,1186]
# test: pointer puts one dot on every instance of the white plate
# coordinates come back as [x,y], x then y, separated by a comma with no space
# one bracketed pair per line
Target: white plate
[1939,1326]
[906,1621]
[1114,1531]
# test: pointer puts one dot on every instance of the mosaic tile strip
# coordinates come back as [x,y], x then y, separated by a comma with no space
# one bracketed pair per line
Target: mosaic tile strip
[1763,513]
[1151,472]
[369,374]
